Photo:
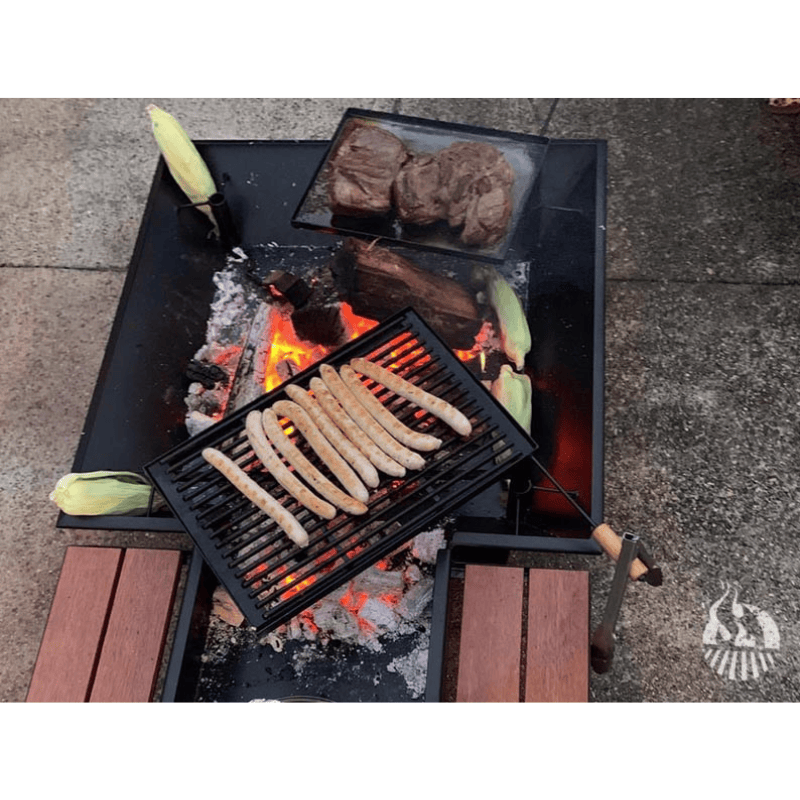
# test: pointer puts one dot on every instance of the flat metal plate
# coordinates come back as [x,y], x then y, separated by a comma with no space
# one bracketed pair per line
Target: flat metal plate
[524,153]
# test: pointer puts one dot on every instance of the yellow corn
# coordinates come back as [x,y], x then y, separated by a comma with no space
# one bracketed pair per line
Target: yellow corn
[515,334]
[183,161]
[513,391]
[102,492]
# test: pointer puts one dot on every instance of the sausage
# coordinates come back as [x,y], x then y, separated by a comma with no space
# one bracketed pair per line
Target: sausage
[348,427]
[436,405]
[305,468]
[256,494]
[323,448]
[360,463]
[365,421]
[269,458]
[407,436]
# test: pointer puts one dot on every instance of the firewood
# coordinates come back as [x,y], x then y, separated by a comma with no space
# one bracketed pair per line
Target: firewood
[378,282]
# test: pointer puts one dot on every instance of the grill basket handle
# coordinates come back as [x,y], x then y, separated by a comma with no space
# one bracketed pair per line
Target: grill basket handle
[611,543]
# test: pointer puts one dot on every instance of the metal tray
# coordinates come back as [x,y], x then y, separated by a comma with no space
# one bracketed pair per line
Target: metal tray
[525,153]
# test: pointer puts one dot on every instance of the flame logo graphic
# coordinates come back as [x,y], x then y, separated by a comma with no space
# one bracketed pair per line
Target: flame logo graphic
[745,647]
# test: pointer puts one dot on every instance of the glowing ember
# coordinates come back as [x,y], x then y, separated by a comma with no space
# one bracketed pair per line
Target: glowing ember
[353,324]
[295,587]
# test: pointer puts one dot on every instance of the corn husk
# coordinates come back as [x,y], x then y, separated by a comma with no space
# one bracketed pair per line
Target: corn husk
[513,390]
[102,492]
[515,334]
[183,161]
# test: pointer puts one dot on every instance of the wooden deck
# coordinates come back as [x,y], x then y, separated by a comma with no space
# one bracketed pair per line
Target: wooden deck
[524,636]
[107,625]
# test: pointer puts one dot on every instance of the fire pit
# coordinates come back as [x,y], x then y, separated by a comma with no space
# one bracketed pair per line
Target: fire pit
[138,411]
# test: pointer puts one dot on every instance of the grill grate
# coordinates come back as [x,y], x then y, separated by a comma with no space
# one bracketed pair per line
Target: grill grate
[269,577]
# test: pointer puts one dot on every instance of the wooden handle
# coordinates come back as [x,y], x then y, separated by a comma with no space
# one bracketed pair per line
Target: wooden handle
[612,544]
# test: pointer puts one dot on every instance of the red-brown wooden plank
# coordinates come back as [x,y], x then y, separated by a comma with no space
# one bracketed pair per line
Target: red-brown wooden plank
[557,668]
[491,635]
[70,645]
[137,627]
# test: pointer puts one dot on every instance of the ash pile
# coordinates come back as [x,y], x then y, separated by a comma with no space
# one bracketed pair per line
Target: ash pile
[381,617]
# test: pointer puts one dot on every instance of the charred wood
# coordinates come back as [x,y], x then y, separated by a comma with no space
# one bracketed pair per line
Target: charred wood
[378,282]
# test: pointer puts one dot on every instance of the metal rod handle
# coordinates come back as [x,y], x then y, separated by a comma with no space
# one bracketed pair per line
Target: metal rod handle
[604,535]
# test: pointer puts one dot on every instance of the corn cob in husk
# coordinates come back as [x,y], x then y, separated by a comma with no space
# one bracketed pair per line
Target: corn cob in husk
[183,161]
[513,390]
[515,334]
[102,492]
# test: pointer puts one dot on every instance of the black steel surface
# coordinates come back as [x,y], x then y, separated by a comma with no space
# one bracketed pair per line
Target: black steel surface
[271,579]
[137,410]
[564,239]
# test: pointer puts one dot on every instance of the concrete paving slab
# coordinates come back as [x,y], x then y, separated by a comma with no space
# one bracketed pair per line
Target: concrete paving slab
[57,321]
[699,190]
[83,168]
[702,460]
[520,115]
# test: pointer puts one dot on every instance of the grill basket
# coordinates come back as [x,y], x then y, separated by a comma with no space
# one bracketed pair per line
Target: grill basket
[270,578]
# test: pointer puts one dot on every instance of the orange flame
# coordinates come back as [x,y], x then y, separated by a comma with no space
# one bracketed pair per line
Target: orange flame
[286,346]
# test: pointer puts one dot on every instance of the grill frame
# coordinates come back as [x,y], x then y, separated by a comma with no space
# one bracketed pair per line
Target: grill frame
[219,520]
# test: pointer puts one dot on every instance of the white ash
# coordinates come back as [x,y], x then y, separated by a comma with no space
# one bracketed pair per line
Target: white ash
[227,307]
[413,668]
[416,599]
[229,321]
[425,547]
[376,605]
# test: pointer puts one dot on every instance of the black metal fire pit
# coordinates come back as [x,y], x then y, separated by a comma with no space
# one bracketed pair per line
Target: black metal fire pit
[137,411]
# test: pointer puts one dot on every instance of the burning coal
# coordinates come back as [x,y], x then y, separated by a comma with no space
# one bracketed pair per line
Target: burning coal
[257,338]
[387,599]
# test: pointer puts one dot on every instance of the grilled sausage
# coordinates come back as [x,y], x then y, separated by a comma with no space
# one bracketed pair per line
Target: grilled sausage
[365,421]
[285,477]
[436,405]
[305,468]
[360,463]
[323,448]
[349,428]
[405,435]
[256,494]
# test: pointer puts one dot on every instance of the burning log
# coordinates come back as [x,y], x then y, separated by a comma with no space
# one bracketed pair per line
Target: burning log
[320,323]
[378,282]
[314,318]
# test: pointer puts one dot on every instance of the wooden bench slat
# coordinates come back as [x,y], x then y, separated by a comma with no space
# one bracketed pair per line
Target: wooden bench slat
[557,656]
[131,654]
[491,635]
[74,632]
